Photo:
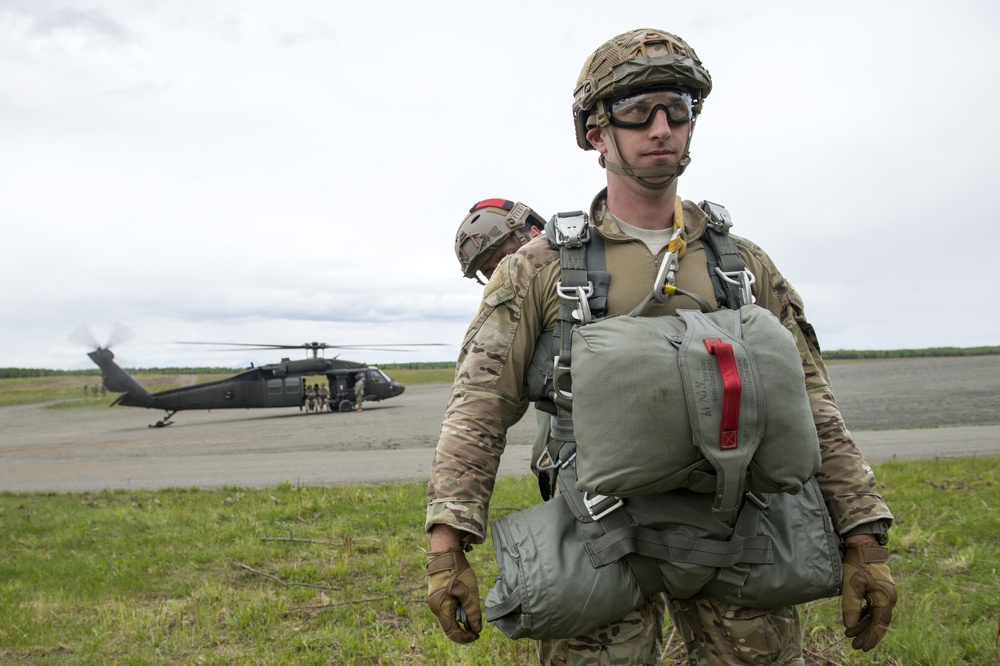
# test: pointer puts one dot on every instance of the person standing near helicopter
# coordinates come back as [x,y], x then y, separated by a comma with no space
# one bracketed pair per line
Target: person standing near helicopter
[635,103]
[359,391]
[309,398]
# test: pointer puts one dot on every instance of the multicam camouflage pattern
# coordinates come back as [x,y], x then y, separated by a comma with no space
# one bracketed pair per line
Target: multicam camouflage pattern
[488,396]
[634,640]
[718,633]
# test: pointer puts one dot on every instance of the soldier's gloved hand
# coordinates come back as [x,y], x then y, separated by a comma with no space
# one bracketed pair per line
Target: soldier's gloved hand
[453,595]
[869,594]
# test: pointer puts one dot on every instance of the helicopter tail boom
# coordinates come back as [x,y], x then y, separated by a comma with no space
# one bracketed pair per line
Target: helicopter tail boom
[115,379]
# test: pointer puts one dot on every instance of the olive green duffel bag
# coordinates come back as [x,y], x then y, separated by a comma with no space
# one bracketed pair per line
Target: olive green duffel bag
[712,402]
[563,573]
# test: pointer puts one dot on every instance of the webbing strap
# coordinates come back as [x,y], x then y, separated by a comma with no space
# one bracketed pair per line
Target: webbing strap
[505,607]
[647,574]
[583,267]
[662,545]
[747,524]
[722,254]
[700,364]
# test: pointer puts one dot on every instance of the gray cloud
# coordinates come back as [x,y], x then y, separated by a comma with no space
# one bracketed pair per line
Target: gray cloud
[94,26]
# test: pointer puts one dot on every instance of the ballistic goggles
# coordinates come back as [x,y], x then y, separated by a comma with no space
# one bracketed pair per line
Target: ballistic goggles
[639,110]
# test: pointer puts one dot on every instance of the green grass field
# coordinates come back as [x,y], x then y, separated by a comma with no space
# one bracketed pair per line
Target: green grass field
[317,575]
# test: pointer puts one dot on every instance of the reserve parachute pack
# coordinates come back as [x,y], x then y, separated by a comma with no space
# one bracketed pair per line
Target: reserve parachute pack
[716,403]
[684,457]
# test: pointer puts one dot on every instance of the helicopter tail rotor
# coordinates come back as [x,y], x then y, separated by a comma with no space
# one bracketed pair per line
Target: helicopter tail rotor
[84,335]
[115,379]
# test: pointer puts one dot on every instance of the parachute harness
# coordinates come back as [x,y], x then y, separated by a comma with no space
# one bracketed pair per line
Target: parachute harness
[664,284]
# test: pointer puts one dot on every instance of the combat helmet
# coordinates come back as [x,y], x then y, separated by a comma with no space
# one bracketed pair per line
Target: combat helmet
[488,224]
[631,62]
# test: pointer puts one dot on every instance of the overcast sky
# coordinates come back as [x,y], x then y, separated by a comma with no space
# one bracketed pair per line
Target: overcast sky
[264,172]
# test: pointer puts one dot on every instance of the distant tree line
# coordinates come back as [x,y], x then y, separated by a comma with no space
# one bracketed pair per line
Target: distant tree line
[853,354]
[429,365]
[15,373]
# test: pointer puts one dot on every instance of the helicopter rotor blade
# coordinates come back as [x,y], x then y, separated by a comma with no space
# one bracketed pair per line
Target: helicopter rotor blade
[120,334]
[242,344]
[83,335]
[317,345]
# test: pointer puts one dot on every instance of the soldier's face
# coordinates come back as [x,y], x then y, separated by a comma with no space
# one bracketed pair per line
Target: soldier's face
[509,246]
[657,144]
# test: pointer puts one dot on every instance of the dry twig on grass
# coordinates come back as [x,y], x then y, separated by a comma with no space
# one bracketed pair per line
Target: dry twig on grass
[821,657]
[350,602]
[291,540]
[285,583]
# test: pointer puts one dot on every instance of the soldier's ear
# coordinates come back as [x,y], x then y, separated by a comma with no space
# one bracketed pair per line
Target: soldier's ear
[596,138]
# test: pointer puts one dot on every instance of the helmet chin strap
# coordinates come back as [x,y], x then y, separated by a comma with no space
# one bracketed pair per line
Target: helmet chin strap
[640,174]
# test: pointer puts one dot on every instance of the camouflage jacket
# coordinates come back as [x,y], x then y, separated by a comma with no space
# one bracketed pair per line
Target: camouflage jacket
[520,302]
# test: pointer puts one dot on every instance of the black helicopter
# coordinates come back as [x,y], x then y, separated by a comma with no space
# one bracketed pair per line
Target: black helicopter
[279,384]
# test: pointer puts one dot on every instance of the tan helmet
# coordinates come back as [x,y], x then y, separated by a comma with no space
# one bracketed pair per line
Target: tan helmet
[633,61]
[488,224]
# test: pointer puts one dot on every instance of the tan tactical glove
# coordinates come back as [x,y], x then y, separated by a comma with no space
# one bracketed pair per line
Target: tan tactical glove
[868,596]
[453,595]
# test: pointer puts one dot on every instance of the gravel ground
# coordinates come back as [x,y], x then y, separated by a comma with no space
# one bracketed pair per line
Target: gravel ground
[958,399]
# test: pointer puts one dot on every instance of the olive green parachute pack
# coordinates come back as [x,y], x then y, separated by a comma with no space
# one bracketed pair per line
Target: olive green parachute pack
[700,484]
[716,402]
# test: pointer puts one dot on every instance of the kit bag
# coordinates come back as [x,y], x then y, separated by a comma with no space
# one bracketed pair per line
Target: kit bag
[712,402]
[563,573]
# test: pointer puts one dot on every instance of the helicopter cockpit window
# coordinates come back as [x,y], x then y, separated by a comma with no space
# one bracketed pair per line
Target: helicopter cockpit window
[379,377]
[274,386]
[293,385]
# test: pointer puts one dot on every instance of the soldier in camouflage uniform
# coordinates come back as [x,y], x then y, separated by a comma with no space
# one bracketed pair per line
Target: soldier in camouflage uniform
[636,103]
[493,229]
[359,392]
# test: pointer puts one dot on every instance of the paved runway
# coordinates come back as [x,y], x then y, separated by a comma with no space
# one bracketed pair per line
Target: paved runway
[382,466]
[90,449]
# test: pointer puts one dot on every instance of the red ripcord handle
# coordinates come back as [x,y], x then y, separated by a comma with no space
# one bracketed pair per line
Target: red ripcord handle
[732,386]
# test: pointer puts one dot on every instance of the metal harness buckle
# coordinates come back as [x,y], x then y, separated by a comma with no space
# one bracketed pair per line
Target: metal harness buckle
[571,229]
[718,217]
[551,463]
[581,295]
[743,279]
[593,505]
[560,370]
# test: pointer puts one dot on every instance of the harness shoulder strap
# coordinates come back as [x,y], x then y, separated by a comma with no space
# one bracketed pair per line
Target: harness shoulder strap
[583,292]
[730,278]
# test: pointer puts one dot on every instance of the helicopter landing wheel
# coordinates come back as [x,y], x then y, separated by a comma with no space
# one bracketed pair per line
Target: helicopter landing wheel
[165,422]
[346,405]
